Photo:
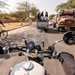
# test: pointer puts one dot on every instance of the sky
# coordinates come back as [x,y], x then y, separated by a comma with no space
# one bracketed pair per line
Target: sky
[43,5]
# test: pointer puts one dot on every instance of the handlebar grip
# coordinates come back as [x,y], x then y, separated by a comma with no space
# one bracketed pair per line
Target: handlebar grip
[18,48]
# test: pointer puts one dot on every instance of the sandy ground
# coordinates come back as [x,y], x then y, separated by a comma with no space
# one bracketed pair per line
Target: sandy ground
[15,25]
[54,67]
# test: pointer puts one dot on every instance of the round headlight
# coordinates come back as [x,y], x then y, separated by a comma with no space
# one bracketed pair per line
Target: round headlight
[31,45]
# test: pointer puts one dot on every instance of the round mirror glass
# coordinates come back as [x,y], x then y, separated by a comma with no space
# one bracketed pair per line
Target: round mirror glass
[69,37]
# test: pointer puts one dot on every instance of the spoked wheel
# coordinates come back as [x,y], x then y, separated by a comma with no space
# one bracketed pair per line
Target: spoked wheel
[3,34]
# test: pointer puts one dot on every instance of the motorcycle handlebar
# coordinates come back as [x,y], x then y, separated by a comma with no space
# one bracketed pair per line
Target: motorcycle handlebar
[48,53]
[31,47]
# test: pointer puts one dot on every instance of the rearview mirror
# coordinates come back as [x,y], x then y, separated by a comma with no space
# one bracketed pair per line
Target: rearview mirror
[69,37]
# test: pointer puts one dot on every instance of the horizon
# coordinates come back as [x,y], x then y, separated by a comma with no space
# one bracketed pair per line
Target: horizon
[42,5]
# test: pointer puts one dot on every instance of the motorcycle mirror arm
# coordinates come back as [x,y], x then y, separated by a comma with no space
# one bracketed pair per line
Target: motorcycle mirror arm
[58,41]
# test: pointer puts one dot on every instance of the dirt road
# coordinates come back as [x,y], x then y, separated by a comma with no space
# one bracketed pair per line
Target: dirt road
[54,67]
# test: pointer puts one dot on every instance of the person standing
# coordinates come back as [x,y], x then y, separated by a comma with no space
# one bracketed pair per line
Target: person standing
[46,16]
[42,16]
[38,16]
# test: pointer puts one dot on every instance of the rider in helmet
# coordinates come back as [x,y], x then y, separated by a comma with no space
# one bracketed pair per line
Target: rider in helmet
[46,16]
[42,16]
[38,16]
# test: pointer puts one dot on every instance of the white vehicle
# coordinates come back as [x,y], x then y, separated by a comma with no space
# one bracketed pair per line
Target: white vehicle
[47,25]
[42,23]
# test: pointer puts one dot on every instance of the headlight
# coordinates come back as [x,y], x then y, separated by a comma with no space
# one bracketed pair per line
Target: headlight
[31,45]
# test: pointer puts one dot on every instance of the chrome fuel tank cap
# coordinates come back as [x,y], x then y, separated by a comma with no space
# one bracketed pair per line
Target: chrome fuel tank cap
[28,66]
